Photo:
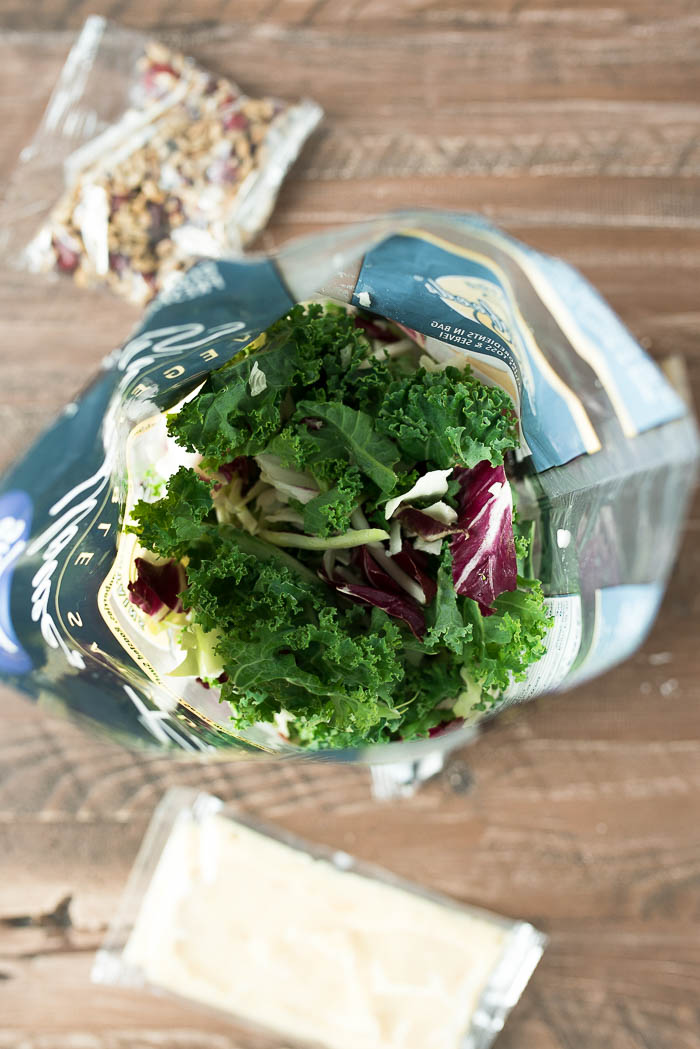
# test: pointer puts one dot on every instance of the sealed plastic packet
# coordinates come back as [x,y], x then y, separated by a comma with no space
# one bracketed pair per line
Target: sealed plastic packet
[147,162]
[602,474]
[235,916]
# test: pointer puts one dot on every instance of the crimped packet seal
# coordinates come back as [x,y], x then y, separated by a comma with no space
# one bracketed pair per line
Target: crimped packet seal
[145,162]
[196,847]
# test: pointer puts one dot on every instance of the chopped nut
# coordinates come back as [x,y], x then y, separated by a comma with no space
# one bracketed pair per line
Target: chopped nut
[257,133]
[157,52]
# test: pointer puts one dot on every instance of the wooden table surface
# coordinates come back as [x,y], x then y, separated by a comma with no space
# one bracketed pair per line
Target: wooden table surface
[576,127]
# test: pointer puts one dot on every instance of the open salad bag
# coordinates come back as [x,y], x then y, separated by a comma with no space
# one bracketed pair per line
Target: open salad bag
[353,528]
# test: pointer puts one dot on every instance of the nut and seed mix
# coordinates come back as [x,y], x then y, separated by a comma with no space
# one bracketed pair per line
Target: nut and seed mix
[169,182]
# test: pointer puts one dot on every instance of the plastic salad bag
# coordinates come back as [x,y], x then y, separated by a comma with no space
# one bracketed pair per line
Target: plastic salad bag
[144,162]
[601,475]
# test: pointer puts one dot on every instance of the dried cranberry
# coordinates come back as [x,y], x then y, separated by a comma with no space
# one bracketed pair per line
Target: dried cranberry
[67,257]
[118,263]
[235,122]
[151,84]
[163,67]
[159,220]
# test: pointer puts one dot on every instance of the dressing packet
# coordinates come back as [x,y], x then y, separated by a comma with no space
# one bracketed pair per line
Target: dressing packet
[307,942]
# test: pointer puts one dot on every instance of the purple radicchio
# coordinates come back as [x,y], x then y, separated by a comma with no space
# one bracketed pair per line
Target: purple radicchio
[381,592]
[484,562]
[412,563]
[157,587]
[241,465]
[444,727]
[375,329]
[426,526]
[415,564]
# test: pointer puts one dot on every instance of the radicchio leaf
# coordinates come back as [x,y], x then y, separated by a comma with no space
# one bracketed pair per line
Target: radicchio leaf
[241,465]
[411,562]
[375,574]
[374,330]
[383,593]
[415,564]
[157,586]
[444,727]
[417,522]
[431,485]
[222,678]
[396,605]
[484,562]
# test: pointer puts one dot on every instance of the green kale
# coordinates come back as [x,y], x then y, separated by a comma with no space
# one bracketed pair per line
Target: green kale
[285,644]
[446,625]
[448,417]
[329,513]
[349,432]
[226,418]
[173,525]
[505,644]
[312,392]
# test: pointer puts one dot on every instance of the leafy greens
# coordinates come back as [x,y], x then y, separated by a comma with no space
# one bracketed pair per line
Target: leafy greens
[331,584]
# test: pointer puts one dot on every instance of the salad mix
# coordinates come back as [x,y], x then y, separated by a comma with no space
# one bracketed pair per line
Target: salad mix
[344,561]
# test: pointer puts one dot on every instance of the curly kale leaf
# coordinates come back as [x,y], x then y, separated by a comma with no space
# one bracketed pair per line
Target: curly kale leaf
[284,644]
[329,513]
[175,524]
[227,418]
[447,628]
[348,432]
[505,644]
[448,417]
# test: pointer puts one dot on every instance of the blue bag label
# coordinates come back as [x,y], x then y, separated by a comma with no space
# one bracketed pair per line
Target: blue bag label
[463,299]
[638,391]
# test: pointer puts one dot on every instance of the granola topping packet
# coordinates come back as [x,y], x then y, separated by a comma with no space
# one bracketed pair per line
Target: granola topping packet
[190,168]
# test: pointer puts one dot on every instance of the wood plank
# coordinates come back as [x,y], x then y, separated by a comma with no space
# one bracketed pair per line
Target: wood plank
[481,14]
[438,69]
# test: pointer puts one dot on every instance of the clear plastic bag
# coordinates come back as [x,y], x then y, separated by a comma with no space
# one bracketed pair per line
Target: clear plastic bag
[145,162]
[605,468]
[233,915]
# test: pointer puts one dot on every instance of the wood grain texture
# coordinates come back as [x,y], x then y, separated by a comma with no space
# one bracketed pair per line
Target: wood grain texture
[577,127]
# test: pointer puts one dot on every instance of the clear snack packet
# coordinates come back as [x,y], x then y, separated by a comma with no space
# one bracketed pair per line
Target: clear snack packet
[307,942]
[603,473]
[144,162]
